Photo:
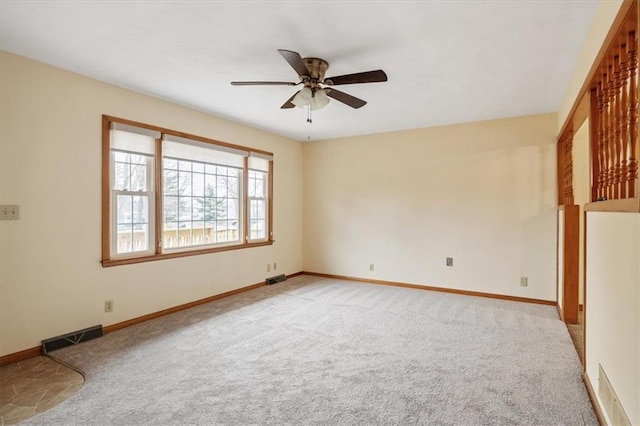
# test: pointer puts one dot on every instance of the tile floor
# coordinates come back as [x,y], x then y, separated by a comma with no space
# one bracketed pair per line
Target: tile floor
[32,386]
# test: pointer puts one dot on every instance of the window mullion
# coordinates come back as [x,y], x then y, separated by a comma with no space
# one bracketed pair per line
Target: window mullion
[245,202]
[159,207]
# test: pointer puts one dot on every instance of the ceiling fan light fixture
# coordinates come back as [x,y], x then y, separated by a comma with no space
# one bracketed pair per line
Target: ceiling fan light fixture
[302,98]
[319,99]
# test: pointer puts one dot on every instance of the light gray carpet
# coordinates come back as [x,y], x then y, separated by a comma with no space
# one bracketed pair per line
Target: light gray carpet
[320,351]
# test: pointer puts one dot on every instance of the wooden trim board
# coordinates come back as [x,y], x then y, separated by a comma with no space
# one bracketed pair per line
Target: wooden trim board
[560,313]
[118,326]
[20,356]
[35,351]
[124,324]
[625,205]
[571,267]
[432,288]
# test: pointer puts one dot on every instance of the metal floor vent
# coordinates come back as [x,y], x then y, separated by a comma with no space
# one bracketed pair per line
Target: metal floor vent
[72,338]
[276,279]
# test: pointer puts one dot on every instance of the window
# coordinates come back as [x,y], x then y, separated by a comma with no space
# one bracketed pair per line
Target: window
[257,187]
[171,194]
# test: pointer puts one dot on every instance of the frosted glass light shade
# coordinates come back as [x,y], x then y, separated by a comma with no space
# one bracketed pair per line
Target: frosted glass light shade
[319,100]
[306,97]
[302,98]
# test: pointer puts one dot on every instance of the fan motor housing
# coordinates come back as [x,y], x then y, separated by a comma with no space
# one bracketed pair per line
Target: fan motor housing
[317,67]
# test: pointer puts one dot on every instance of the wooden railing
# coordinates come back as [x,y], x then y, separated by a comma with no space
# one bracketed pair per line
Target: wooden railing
[565,169]
[614,106]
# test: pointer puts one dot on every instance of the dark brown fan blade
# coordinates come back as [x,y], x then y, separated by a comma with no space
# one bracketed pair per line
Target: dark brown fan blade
[288,104]
[352,101]
[263,83]
[295,60]
[376,76]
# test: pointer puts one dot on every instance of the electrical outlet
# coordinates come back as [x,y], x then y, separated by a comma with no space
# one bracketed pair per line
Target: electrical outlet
[108,305]
[268,267]
[449,261]
[9,212]
[371,267]
[275,266]
[524,281]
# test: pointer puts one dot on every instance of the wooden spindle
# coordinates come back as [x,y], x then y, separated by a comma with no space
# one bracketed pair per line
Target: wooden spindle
[632,175]
[568,168]
[560,170]
[601,140]
[607,129]
[617,131]
[624,118]
[594,128]
[611,130]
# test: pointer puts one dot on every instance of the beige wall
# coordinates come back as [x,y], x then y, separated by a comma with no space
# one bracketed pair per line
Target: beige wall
[613,304]
[51,280]
[482,193]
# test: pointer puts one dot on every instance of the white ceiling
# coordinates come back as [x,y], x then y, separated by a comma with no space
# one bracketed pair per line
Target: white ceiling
[447,61]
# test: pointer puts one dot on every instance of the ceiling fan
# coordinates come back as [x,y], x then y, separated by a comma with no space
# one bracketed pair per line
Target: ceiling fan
[317,89]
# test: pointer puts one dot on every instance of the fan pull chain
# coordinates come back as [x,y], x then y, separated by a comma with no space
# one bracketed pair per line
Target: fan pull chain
[309,114]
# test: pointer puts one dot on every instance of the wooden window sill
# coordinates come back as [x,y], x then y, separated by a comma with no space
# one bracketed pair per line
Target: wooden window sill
[106,263]
[626,205]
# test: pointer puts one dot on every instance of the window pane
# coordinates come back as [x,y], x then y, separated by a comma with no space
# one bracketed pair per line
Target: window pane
[140,209]
[122,156]
[260,207]
[221,186]
[170,209]
[209,211]
[184,165]
[121,176]
[169,163]
[184,183]
[197,233]
[198,184]
[170,182]
[198,208]
[124,209]
[170,236]
[198,167]
[184,234]
[138,159]
[210,185]
[140,237]
[232,187]
[233,210]
[138,177]
[184,208]
[221,208]
[124,239]
[221,231]
[257,219]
